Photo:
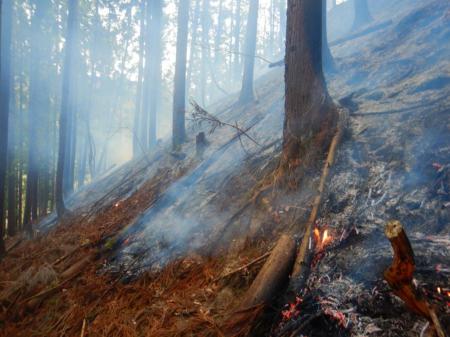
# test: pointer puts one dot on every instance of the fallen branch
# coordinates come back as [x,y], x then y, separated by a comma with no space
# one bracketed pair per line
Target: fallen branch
[400,275]
[301,265]
[237,270]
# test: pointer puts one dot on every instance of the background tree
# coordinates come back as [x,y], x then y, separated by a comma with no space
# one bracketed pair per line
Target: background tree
[247,94]
[309,114]
[65,106]
[362,14]
[328,61]
[179,93]
[4,116]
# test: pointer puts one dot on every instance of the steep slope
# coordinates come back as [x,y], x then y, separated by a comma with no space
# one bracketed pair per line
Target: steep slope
[173,225]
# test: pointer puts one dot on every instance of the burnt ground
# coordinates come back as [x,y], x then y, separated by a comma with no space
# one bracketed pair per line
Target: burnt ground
[164,229]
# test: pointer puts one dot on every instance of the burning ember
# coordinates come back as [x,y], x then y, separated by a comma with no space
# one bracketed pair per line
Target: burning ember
[322,238]
[292,310]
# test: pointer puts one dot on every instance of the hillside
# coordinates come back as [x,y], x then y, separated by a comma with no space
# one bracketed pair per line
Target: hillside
[146,249]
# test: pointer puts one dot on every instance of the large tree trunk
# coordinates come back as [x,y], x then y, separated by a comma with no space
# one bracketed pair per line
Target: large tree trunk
[247,94]
[65,106]
[362,14]
[4,117]
[179,98]
[309,116]
[5,98]
[37,103]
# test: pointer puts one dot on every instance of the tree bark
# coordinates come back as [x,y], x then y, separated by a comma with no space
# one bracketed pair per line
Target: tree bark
[179,96]
[5,98]
[309,116]
[4,117]
[137,143]
[65,106]
[247,94]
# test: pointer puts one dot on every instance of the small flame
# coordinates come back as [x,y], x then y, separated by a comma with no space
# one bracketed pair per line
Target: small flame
[116,205]
[317,234]
[439,290]
[326,238]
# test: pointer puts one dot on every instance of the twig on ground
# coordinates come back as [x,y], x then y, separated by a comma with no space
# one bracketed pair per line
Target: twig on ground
[237,270]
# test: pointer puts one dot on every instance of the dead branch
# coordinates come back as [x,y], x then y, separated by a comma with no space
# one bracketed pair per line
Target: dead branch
[300,266]
[400,275]
[245,266]
[200,115]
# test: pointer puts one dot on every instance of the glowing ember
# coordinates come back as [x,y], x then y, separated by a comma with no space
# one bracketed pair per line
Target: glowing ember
[439,290]
[116,205]
[292,310]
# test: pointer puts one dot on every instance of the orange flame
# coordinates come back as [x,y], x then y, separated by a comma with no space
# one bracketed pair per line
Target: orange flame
[326,238]
[317,234]
[439,290]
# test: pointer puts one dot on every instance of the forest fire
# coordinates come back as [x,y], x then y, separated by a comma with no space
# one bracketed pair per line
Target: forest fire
[322,238]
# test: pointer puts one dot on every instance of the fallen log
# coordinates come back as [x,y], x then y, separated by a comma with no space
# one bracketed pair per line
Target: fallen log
[305,252]
[400,276]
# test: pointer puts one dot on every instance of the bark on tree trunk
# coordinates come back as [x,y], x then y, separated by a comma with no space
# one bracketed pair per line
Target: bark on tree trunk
[65,106]
[179,98]
[5,95]
[309,116]
[4,116]
[247,94]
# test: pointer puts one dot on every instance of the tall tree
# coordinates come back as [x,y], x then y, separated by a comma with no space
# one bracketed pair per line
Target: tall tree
[152,79]
[237,40]
[206,26]
[5,92]
[4,117]
[65,106]
[137,134]
[309,115]
[179,92]
[362,14]
[247,94]
[37,108]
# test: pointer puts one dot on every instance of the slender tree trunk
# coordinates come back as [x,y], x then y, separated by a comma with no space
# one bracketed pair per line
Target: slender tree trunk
[137,135]
[328,61]
[205,49]
[179,99]
[65,108]
[362,14]
[144,129]
[237,40]
[309,115]
[4,117]
[282,9]
[151,97]
[247,94]
[192,53]
[218,37]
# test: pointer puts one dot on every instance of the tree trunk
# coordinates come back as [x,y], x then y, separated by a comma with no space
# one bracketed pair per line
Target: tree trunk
[362,14]
[192,53]
[205,50]
[37,102]
[137,142]
[179,99]
[154,70]
[218,37]
[65,106]
[4,116]
[5,98]
[237,41]
[247,94]
[282,8]
[309,116]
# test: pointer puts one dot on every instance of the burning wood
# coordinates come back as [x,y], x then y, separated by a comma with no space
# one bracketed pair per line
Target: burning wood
[400,275]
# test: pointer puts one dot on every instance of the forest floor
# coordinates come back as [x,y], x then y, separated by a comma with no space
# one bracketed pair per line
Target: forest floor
[160,246]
